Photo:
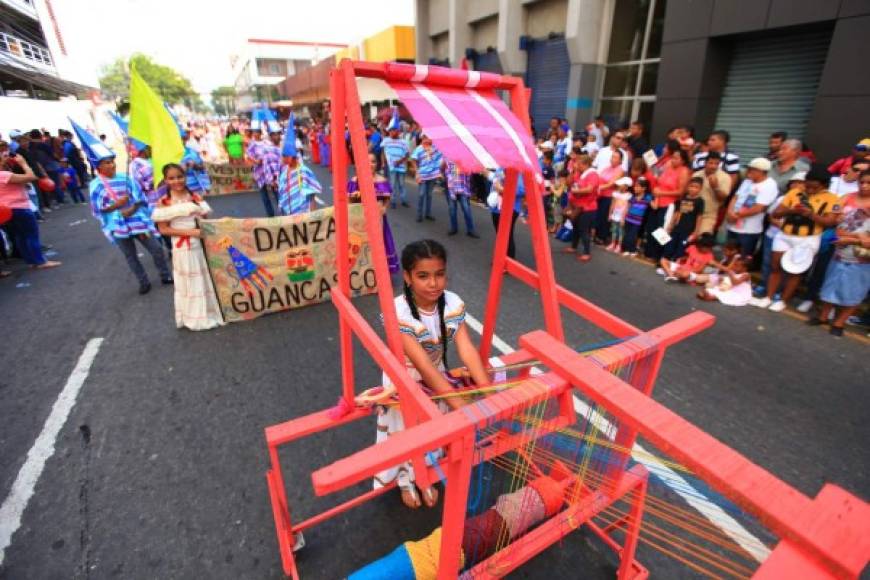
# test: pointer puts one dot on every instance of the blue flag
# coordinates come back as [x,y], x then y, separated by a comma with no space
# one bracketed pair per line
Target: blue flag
[94,149]
[289,148]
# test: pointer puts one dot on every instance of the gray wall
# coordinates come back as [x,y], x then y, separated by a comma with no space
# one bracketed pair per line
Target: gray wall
[697,42]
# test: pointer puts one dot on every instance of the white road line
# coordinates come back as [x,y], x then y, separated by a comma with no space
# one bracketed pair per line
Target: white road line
[731,527]
[43,448]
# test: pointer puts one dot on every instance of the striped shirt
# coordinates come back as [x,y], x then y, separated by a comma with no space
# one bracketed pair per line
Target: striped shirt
[143,174]
[254,152]
[457,182]
[197,176]
[394,150]
[296,187]
[730,162]
[271,167]
[428,163]
[104,192]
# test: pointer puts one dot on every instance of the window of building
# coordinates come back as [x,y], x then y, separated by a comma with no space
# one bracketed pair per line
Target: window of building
[628,88]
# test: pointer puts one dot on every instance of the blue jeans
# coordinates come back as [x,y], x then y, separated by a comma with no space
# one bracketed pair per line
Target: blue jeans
[424,198]
[266,195]
[25,236]
[461,201]
[397,182]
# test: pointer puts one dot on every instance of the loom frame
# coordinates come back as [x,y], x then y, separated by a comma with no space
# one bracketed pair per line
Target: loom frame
[426,428]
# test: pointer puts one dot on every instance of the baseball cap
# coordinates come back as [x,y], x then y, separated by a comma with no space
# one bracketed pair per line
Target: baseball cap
[624,181]
[799,176]
[760,163]
[863,144]
[15,134]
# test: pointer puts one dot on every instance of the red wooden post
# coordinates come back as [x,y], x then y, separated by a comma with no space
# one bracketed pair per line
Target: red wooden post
[499,255]
[538,227]
[339,192]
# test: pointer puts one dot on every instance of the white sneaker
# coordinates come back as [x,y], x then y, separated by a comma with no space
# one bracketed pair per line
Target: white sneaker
[671,279]
[805,306]
[661,272]
[760,302]
[777,306]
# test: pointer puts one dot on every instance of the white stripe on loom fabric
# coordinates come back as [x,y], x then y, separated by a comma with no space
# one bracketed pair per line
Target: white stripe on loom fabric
[421,71]
[473,79]
[504,125]
[457,127]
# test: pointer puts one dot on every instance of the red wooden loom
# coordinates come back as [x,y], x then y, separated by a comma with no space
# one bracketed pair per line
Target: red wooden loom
[825,537]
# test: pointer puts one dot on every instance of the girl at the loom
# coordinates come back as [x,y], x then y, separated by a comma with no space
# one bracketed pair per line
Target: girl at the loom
[430,318]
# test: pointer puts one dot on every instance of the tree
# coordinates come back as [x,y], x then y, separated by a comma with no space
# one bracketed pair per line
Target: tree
[223,100]
[172,86]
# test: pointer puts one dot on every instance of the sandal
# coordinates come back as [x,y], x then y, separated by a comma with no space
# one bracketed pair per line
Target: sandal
[430,496]
[47,265]
[5,273]
[410,497]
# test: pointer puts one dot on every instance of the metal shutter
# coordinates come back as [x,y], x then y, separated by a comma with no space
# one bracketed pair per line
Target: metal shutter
[488,62]
[547,75]
[771,86]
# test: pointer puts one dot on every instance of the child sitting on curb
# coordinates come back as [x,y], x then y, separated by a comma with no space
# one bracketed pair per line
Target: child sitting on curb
[687,268]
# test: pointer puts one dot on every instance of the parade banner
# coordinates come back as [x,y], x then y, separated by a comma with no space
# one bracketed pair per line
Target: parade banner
[263,265]
[226,178]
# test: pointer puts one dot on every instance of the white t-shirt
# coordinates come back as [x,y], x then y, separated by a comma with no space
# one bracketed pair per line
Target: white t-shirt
[591,149]
[748,194]
[604,156]
[841,187]
[772,230]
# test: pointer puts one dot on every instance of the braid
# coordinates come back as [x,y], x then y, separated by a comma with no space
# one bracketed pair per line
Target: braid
[442,303]
[409,298]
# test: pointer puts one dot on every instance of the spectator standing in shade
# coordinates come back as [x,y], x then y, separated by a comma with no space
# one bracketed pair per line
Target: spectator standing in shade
[745,215]
[805,214]
[859,152]
[600,130]
[23,229]
[787,164]
[43,154]
[458,192]
[582,206]
[714,191]
[669,188]
[605,155]
[636,141]
[74,155]
[427,160]
[730,161]
[608,177]
[774,142]
[497,210]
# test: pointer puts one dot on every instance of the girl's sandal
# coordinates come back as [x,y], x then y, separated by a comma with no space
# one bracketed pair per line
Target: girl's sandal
[410,497]
[5,273]
[430,496]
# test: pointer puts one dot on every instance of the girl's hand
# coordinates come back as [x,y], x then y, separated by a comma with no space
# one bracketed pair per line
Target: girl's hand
[195,233]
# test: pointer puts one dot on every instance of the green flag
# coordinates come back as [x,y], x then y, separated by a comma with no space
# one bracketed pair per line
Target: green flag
[151,123]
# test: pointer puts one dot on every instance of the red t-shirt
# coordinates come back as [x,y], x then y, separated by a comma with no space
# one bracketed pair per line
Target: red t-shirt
[841,166]
[12,194]
[670,180]
[695,261]
[588,202]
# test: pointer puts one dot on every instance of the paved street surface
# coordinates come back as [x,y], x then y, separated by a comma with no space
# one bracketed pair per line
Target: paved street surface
[159,470]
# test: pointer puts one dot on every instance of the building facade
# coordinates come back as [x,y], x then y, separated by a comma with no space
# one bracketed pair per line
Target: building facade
[262,64]
[309,88]
[748,66]
[34,60]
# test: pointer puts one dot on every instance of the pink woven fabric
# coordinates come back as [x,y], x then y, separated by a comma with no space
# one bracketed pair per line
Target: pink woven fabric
[470,125]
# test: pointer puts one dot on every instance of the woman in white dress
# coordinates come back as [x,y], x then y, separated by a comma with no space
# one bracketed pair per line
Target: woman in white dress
[196,306]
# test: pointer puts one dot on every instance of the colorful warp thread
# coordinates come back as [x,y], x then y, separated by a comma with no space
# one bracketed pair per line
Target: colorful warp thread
[512,515]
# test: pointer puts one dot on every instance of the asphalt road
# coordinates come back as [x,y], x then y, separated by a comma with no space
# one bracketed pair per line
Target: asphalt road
[159,470]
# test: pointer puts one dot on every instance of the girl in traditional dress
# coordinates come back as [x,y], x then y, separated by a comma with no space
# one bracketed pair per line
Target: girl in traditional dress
[196,305]
[430,317]
[384,193]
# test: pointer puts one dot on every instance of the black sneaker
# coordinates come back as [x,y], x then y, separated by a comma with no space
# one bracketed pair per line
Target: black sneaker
[430,218]
[452,232]
[419,219]
[836,331]
[167,281]
[814,321]
[473,235]
[405,204]
[145,288]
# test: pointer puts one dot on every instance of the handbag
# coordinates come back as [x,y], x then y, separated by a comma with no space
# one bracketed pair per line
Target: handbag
[493,200]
